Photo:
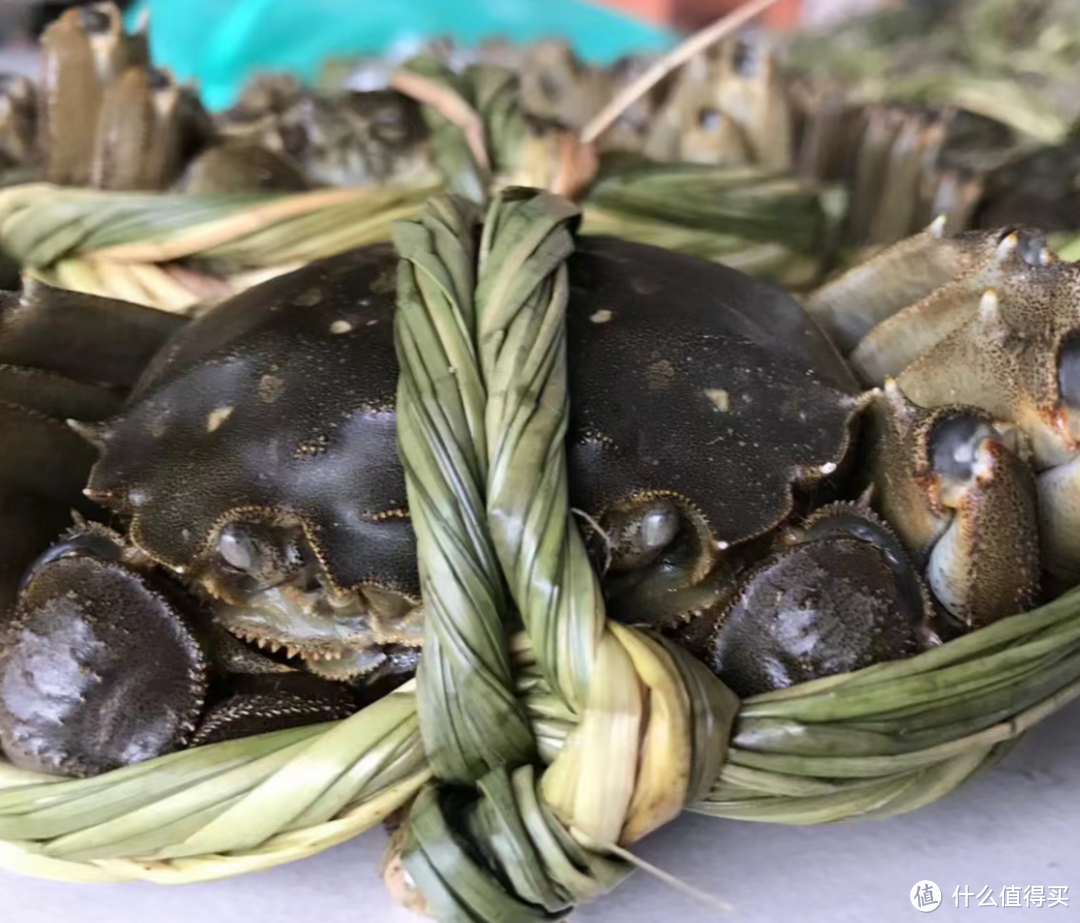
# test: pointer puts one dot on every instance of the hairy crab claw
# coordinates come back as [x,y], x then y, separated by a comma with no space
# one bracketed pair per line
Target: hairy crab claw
[996,328]
[109,662]
[958,488]
[843,595]
[100,668]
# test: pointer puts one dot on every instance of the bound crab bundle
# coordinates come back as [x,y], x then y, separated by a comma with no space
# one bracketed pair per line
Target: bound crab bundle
[291,173]
[650,535]
[629,479]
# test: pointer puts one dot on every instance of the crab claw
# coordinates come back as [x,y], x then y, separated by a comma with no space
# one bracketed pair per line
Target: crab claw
[843,597]
[110,662]
[986,565]
[958,487]
[101,670]
[914,292]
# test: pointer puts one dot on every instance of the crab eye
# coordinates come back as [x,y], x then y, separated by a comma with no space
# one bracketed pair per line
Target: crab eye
[954,445]
[267,553]
[237,547]
[1069,372]
[659,525]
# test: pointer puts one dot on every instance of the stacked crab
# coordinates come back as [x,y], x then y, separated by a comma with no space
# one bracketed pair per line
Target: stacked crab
[246,561]
[104,116]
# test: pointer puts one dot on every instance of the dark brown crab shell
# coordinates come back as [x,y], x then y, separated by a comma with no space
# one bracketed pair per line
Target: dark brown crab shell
[687,379]
[277,403]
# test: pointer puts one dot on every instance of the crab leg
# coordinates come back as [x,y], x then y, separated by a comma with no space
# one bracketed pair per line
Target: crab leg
[892,308]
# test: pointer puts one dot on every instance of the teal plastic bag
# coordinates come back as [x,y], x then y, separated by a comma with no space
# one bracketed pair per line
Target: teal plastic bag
[220,43]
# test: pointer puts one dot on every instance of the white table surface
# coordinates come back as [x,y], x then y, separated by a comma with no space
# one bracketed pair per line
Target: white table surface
[1017,824]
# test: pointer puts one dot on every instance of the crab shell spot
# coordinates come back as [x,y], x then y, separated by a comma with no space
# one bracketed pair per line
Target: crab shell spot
[312,433]
[821,608]
[270,388]
[101,672]
[642,418]
[217,417]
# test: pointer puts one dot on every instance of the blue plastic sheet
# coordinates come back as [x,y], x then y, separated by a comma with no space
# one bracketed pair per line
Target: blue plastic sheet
[220,43]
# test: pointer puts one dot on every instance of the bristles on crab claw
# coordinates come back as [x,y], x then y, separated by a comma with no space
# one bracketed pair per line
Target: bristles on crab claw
[986,566]
[957,486]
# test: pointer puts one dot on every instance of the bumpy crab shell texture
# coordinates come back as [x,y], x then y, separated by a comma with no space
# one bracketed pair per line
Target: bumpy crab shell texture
[690,378]
[687,379]
[98,671]
[278,402]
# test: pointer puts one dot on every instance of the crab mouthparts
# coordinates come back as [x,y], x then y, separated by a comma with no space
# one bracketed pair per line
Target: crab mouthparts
[320,624]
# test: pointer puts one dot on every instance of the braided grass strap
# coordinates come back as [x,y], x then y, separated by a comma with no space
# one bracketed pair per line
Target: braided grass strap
[482,416]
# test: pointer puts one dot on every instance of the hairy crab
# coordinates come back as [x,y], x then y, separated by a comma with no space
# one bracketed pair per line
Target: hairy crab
[737,486]
[104,116]
[107,660]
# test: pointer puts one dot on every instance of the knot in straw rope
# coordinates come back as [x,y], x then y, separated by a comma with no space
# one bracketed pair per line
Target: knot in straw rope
[482,417]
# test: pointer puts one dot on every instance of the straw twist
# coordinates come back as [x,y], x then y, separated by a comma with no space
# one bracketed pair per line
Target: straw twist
[482,415]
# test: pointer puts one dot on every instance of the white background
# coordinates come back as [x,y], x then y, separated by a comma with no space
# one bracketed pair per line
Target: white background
[1017,824]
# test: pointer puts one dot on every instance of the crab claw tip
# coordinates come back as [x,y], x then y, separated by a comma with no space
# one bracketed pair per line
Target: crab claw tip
[937,226]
